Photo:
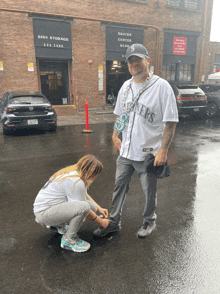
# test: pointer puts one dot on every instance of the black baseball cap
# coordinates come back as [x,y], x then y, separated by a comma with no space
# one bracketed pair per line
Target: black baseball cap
[136,50]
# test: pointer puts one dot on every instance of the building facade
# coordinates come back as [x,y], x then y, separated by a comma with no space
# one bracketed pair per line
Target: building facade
[69,50]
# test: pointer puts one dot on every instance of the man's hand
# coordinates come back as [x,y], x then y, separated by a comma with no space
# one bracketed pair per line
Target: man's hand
[160,157]
[116,142]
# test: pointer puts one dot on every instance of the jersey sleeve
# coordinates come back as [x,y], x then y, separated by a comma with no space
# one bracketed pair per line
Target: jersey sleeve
[169,106]
[75,190]
[118,107]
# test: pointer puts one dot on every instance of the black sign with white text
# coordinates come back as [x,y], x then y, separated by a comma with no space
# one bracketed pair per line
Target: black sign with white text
[52,39]
[118,39]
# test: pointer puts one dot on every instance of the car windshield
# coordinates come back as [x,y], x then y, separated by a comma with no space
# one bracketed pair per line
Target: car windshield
[28,100]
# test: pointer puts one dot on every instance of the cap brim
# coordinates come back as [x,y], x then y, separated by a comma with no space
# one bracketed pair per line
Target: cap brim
[136,54]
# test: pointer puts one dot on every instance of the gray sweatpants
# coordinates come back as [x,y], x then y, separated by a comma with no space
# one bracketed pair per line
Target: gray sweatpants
[125,169]
[72,213]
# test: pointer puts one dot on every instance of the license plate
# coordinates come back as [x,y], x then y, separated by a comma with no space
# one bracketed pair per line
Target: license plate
[32,121]
[196,109]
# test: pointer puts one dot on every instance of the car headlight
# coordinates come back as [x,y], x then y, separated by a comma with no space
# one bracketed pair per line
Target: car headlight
[49,107]
[10,109]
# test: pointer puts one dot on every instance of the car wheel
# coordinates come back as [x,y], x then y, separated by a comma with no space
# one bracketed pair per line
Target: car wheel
[211,110]
[53,128]
[5,131]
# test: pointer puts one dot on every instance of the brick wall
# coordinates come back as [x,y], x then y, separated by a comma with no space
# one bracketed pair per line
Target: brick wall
[88,39]
[16,51]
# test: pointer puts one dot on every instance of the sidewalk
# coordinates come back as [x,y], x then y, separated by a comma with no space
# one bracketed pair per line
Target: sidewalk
[96,115]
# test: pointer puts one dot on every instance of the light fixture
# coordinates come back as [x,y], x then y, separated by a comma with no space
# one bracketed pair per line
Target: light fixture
[115,63]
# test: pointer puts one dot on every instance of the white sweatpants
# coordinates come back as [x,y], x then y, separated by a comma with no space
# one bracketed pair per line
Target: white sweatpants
[72,213]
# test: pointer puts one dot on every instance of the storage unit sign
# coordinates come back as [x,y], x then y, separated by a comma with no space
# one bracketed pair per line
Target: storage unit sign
[52,39]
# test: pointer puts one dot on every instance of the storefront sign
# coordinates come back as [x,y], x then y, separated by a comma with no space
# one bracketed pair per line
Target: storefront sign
[179,45]
[118,39]
[52,39]
[30,66]
[100,77]
[1,65]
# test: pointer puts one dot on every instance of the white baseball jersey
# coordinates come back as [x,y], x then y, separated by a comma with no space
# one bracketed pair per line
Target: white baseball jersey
[144,130]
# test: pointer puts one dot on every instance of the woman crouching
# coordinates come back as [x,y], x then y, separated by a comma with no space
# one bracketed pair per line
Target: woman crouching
[63,203]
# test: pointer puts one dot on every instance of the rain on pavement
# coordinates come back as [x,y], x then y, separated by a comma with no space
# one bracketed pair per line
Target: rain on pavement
[181,256]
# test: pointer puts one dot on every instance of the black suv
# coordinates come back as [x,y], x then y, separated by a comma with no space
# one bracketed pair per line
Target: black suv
[190,99]
[212,91]
[24,109]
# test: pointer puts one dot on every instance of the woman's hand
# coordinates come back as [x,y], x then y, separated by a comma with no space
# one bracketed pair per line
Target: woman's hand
[104,212]
[104,223]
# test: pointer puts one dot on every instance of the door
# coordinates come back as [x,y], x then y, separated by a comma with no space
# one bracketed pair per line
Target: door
[54,81]
[116,74]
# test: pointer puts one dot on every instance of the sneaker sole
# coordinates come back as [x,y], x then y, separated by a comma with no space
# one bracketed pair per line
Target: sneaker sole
[72,249]
[144,236]
[103,235]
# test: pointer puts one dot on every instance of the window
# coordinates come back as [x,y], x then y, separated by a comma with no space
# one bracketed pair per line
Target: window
[178,72]
[217,62]
[173,2]
[188,4]
[185,73]
[141,1]
[169,72]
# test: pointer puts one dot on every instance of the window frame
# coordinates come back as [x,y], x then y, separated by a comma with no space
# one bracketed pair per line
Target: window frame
[182,4]
[179,68]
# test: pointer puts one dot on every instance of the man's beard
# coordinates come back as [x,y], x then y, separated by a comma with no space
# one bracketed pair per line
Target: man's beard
[142,75]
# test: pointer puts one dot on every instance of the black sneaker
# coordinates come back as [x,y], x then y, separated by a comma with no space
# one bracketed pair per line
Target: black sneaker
[146,229]
[101,232]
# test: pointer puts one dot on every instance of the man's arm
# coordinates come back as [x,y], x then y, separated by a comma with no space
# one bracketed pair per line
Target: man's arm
[161,155]
[115,139]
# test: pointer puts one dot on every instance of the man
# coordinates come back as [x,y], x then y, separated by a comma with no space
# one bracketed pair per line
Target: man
[148,115]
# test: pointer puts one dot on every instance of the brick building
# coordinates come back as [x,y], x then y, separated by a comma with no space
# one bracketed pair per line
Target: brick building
[70,50]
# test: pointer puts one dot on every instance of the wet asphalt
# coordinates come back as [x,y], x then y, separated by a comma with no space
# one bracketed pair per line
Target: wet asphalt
[181,256]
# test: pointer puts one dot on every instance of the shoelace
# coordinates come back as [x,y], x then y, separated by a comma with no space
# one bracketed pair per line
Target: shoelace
[145,225]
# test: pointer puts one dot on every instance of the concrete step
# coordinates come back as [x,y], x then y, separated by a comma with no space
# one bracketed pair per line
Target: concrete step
[65,109]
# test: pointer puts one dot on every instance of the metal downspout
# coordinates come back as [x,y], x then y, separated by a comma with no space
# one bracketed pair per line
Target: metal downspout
[203,42]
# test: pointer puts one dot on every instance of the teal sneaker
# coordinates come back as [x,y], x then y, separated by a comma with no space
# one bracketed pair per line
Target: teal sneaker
[75,244]
[62,229]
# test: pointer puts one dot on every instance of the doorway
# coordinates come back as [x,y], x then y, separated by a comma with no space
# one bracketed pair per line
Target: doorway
[116,74]
[54,80]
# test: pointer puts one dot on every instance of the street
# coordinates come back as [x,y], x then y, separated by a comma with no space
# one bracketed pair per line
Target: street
[182,255]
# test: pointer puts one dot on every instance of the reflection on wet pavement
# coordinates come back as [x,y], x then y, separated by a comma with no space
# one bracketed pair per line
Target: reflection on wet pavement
[181,256]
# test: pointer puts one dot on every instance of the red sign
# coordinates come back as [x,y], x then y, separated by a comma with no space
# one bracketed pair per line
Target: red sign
[179,46]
